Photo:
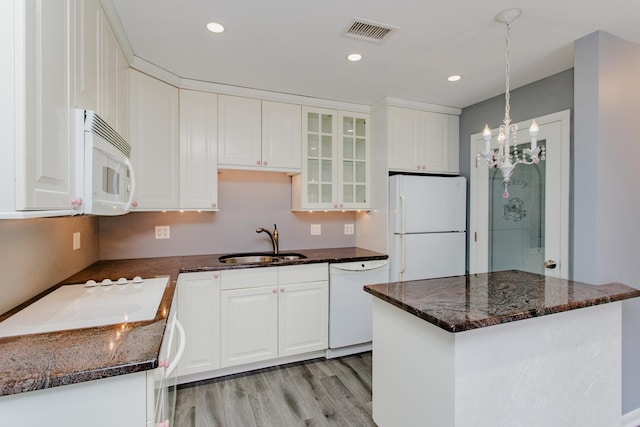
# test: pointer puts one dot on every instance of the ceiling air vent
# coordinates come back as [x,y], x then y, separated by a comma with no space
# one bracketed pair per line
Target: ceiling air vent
[369,31]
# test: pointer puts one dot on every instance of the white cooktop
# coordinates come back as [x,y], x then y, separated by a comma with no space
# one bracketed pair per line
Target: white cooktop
[80,306]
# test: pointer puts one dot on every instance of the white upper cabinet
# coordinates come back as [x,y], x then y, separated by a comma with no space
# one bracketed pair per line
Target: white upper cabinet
[198,150]
[88,19]
[36,170]
[114,81]
[239,130]
[281,135]
[336,164]
[101,69]
[154,138]
[422,141]
[354,154]
[258,135]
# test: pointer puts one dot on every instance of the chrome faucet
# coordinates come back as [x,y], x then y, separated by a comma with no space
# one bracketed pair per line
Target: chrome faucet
[273,235]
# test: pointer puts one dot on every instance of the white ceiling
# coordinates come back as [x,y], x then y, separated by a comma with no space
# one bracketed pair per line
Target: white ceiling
[298,47]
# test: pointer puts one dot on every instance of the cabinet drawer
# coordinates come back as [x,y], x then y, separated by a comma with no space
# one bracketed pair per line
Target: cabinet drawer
[248,278]
[303,273]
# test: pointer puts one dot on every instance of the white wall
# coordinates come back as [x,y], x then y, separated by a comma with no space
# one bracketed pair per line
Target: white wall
[247,200]
[35,254]
[606,180]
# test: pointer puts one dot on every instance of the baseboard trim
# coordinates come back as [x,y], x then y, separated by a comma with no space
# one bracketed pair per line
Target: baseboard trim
[631,419]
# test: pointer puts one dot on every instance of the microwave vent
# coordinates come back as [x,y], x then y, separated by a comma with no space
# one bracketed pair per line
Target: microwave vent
[98,126]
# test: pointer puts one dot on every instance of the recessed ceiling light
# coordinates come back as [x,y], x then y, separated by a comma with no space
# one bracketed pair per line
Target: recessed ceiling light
[454,78]
[214,27]
[354,57]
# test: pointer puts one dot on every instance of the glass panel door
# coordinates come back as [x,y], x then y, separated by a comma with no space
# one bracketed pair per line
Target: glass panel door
[319,157]
[354,156]
[517,223]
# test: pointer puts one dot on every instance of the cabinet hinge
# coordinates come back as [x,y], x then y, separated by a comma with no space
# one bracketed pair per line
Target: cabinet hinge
[475,236]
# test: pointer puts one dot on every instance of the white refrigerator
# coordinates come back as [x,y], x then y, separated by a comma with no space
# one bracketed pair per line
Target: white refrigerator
[427,226]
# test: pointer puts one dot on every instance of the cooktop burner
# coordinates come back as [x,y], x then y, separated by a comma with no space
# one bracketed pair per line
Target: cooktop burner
[88,305]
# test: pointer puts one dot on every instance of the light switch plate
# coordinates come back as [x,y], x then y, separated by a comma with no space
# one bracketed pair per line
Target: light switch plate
[163,232]
[348,229]
[316,229]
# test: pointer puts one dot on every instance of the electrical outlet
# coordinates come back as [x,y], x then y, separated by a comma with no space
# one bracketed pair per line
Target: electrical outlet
[348,229]
[76,241]
[316,229]
[163,232]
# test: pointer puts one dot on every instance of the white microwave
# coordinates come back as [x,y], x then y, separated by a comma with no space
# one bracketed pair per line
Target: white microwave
[106,180]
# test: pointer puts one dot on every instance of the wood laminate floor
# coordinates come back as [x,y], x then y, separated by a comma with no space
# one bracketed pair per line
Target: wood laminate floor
[335,392]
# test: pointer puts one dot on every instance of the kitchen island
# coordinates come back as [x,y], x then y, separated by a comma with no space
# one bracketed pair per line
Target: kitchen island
[497,349]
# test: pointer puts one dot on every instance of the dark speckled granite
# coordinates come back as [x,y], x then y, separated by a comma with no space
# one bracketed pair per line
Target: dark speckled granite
[38,361]
[464,303]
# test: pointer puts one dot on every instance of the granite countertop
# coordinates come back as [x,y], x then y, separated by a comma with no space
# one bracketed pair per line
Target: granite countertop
[39,361]
[463,303]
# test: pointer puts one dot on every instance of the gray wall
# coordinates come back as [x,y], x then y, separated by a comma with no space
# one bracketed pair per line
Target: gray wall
[35,254]
[247,200]
[606,230]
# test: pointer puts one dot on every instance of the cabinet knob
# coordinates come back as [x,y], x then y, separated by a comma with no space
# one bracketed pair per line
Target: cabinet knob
[134,204]
[214,205]
[265,163]
[424,167]
[274,291]
[258,162]
[342,205]
[76,201]
[281,290]
[335,205]
[216,275]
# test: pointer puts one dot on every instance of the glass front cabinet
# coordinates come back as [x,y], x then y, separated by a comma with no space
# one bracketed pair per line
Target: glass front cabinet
[336,161]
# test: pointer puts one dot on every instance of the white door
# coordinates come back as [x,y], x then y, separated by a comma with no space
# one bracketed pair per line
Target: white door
[249,325]
[198,296]
[529,230]
[303,318]
[428,203]
[427,255]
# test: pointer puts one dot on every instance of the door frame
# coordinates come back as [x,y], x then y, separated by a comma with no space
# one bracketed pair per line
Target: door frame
[558,160]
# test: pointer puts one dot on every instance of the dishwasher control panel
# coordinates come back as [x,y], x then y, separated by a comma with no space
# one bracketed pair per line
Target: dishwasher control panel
[361,265]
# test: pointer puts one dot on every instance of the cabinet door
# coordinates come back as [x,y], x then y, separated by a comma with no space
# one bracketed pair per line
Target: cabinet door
[303,318]
[249,325]
[154,139]
[43,117]
[109,67]
[199,314]
[281,136]
[198,150]
[354,161]
[239,131]
[435,142]
[319,170]
[404,140]
[88,18]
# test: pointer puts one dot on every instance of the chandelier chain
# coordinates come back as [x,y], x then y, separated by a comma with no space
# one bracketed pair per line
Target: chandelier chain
[507,94]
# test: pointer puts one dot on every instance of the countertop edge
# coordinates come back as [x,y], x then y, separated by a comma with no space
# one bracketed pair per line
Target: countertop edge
[506,318]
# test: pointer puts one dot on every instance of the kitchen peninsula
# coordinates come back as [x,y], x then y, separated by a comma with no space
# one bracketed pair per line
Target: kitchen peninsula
[497,349]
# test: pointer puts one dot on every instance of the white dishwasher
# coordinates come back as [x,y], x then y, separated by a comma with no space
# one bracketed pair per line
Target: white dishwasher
[350,318]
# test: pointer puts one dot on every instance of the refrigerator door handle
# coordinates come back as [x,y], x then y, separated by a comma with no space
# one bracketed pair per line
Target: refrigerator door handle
[403,256]
[403,216]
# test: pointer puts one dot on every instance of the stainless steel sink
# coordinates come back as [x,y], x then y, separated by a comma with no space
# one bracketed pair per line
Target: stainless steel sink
[259,258]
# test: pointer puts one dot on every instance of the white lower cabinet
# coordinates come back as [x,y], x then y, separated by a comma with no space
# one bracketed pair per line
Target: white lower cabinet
[303,317]
[199,314]
[249,325]
[273,312]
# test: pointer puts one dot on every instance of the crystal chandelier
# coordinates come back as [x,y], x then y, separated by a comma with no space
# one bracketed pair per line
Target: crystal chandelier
[504,158]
